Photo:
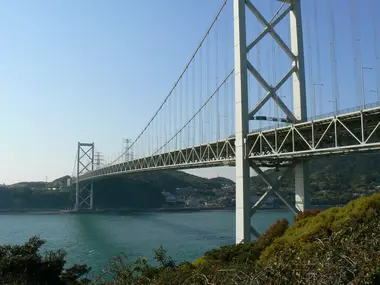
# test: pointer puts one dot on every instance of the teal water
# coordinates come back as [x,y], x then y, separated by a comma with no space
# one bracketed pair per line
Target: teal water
[95,239]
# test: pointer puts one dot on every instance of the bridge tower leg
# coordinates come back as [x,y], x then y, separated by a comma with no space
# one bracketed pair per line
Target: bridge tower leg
[243,216]
[299,102]
[84,193]
[243,115]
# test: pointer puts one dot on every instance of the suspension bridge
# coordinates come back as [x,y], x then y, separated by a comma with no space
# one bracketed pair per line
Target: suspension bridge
[271,84]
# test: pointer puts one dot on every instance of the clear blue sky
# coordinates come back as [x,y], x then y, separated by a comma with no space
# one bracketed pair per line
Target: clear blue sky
[96,70]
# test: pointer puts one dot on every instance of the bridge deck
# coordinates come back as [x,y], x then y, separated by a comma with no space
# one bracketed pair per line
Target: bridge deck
[336,135]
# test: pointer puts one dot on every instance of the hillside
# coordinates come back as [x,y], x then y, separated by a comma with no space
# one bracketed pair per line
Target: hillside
[334,180]
[34,184]
[222,180]
[169,180]
[59,182]
[344,172]
[140,190]
[121,192]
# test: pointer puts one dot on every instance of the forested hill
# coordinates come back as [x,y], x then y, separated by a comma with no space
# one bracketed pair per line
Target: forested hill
[338,179]
[333,180]
[139,190]
[143,190]
[337,173]
[169,180]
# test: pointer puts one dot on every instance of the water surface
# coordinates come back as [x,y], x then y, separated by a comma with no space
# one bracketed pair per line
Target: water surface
[95,239]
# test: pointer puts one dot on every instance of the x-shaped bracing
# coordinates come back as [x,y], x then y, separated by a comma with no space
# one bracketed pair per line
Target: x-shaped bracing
[85,167]
[273,187]
[271,91]
[85,195]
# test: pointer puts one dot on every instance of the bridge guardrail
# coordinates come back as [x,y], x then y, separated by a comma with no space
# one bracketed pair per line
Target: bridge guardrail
[325,115]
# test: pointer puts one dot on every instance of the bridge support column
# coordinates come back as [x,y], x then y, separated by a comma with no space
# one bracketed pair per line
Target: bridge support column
[243,115]
[273,187]
[299,101]
[301,185]
[92,195]
[243,216]
[84,192]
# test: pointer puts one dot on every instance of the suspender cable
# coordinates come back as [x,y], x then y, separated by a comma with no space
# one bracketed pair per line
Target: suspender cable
[217,135]
[259,88]
[276,108]
[376,46]
[356,47]
[226,97]
[201,98]
[310,65]
[140,136]
[187,108]
[202,107]
[208,109]
[318,54]
[333,58]
[194,93]
[180,112]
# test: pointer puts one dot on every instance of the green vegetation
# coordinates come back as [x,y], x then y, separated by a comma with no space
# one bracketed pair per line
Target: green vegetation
[108,193]
[24,265]
[336,246]
[135,191]
[23,198]
[169,180]
[334,181]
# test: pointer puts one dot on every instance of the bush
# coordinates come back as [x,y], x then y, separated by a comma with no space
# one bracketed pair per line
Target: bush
[349,256]
[306,214]
[250,252]
[199,262]
[23,264]
[324,224]
[276,230]
[120,271]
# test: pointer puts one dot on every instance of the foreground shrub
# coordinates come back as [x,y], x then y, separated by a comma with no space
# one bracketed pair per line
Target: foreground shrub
[338,246]
[250,252]
[349,256]
[274,231]
[324,224]
[306,214]
[23,264]
[120,271]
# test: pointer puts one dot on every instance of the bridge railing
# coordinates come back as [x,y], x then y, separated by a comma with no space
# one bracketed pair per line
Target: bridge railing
[345,111]
[321,116]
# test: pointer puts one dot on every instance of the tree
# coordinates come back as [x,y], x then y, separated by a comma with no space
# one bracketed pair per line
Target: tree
[24,265]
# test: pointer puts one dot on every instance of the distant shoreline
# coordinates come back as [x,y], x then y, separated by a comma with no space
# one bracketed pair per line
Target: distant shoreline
[131,211]
[126,211]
